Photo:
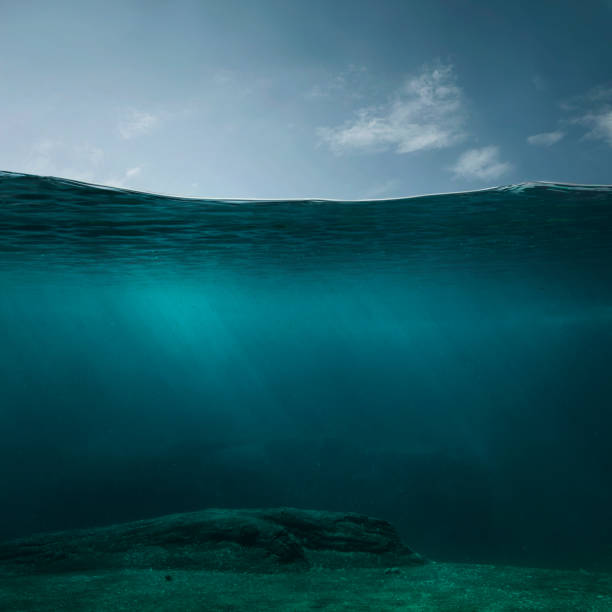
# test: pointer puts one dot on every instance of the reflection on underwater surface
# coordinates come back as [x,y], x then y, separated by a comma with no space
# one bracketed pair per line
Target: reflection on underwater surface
[441,362]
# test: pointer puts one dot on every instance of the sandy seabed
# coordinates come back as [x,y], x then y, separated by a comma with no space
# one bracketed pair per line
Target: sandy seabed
[435,586]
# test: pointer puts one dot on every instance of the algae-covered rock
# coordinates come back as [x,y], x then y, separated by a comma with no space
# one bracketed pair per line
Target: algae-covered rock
[244,540]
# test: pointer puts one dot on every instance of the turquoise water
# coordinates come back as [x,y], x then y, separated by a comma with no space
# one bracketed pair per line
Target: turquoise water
[442,362]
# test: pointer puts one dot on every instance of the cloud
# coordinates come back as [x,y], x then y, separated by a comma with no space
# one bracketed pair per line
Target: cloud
[137,123]
[597,96]
[426,113]
[481,163]
[545,139]
[352,83]
[594,111]
[125,179]
[600,124]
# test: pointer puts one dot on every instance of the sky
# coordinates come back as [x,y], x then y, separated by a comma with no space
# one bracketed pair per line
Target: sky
[321,98]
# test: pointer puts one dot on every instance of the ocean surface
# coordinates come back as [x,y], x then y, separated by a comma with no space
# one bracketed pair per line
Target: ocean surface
[443,362]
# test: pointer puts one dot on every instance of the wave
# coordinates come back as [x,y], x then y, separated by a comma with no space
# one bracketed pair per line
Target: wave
[59,221]
[20,181]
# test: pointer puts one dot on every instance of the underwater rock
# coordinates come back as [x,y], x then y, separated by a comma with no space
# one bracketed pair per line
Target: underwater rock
[276,539]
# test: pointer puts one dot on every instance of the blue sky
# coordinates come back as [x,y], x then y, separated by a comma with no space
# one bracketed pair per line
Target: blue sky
[338,99]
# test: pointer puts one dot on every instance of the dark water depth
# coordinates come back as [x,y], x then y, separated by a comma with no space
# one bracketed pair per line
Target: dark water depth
[443,362]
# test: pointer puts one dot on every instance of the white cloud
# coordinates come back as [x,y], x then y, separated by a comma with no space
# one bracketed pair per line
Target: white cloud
[545,139]
[132,171]
[481,164]
[426,113]
[352,83]
[600,124]
[597,96]
[594,111]
[137,123]
[125,179]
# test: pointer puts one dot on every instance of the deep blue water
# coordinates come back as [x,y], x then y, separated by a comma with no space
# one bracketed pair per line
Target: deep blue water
[444,362]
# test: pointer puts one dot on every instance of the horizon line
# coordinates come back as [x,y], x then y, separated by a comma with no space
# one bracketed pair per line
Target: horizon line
[506,186]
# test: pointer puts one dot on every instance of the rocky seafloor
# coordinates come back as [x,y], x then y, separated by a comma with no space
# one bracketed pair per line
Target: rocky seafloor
[271,559]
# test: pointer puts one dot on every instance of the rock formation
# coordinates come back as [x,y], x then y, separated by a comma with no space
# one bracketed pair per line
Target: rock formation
[277,539]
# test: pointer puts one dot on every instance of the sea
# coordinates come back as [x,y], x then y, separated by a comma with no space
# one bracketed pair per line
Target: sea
[443,362]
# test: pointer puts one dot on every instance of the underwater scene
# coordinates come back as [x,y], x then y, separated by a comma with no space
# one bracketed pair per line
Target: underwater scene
[434,370]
